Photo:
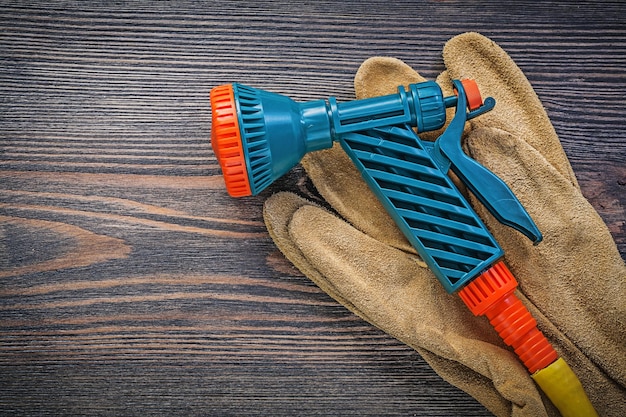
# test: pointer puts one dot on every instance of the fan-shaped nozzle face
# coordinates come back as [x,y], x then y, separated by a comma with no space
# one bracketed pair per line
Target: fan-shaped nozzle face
[226,141]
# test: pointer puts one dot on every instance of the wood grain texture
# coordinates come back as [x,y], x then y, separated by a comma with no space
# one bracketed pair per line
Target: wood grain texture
[131,284]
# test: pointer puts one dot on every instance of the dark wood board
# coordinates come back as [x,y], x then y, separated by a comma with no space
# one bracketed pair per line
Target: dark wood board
[131,284]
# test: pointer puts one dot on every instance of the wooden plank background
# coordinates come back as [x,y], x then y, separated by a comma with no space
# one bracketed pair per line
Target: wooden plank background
[131,284]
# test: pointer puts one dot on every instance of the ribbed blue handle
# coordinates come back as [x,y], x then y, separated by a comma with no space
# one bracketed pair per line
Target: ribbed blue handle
[426,205]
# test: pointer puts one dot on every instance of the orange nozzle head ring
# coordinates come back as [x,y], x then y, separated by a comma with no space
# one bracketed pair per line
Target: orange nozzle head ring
[226,141]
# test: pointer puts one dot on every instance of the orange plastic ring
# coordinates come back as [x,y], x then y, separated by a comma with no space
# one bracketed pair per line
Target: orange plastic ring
[226,141]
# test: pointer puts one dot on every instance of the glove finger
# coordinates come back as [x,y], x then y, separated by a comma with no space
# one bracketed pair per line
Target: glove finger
[518,109]
[340,183]
[575,277]
[395,293]
[278,210]
[379,76]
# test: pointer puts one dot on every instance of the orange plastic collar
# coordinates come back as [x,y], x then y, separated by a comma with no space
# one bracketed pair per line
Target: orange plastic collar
[226,141]
[492,294]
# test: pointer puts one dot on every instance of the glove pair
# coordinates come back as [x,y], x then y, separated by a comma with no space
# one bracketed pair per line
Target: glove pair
[573,282]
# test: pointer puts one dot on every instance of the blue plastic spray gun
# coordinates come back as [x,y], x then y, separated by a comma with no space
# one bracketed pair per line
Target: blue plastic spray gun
[259,136]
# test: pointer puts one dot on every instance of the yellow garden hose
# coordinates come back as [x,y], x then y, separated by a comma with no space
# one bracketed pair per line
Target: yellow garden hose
[561,385]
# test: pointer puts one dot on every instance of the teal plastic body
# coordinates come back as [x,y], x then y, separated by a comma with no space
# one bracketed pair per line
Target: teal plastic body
[424,203]
[298,128]
[408,175]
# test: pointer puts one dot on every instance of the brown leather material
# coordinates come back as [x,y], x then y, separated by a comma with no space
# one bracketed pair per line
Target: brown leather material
[573,282]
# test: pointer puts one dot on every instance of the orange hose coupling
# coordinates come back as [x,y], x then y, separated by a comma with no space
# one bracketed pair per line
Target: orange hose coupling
[492,294]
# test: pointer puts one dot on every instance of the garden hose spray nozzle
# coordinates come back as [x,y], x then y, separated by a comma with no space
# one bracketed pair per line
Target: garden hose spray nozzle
[258,136]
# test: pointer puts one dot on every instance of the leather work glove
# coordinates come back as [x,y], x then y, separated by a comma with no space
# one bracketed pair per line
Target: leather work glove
[573,282]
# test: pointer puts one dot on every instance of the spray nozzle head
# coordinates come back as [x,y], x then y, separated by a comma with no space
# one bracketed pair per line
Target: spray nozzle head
[226,141]
[258,136]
